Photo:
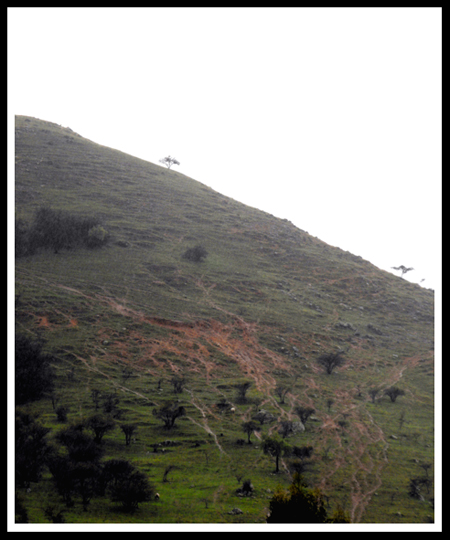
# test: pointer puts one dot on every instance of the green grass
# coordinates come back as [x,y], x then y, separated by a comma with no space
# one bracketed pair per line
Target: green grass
[266,302]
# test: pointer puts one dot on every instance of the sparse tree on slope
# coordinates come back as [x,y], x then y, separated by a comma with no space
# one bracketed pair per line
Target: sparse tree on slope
[128,430]
[242,391]
[394,393]
[169,161]
[402,268]
[281,392]
[169,413]
[276,448]
[304,413]
[249,428]
[100,424]
[331,360]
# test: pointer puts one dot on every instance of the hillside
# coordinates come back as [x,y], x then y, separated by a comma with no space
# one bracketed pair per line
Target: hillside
[262,307]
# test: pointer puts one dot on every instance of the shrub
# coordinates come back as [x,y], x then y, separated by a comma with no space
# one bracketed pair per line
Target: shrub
[97,237]
[195,254]
[56,230]
[126,484]
[299,505]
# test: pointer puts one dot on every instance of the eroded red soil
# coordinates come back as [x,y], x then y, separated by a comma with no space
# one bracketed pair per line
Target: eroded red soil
[191,348]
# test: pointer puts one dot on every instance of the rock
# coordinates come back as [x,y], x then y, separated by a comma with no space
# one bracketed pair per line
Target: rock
[374,330]
[235,511]
[346,325]
[298,427]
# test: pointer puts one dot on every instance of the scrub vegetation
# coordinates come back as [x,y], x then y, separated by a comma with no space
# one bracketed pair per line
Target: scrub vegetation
[200,361]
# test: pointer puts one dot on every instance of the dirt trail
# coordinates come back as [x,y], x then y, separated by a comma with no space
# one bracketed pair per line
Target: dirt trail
[365,457]
[367,454]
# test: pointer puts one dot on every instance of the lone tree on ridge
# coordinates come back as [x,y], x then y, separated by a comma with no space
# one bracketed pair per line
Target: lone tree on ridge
[402,268]
[169,161]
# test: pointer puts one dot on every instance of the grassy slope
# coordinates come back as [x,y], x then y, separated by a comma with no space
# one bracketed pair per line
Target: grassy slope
[266,302]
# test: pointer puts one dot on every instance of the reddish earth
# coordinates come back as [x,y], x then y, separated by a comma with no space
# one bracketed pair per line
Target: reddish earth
[190,346]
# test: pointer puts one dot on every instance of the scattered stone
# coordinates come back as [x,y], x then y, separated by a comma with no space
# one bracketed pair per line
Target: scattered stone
[235,511]
[374,330]
[345,325]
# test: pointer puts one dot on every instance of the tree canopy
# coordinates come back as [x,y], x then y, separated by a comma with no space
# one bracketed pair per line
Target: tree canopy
[331,360]
[33,374]
[169,161]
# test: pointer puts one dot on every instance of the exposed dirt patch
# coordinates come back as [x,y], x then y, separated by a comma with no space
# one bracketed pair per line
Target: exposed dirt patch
[350,436]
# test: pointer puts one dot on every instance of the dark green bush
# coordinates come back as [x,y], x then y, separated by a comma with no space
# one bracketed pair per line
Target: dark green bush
[57,230]
[195,254]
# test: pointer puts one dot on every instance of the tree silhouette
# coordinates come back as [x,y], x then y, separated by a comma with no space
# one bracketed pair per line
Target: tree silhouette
[373,392]
[128,430]
[275,447]
[304,413]
[81,447]
[33,373]
[394,393]
[100,424]
[178,383]
[249,427]
[31,448]
[169,161]
[126,484]
[331,360]
[281,392]
[402,268]
[169,413]
[241,392]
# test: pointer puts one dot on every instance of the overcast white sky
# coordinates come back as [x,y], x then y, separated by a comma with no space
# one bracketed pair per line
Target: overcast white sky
[330,118]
